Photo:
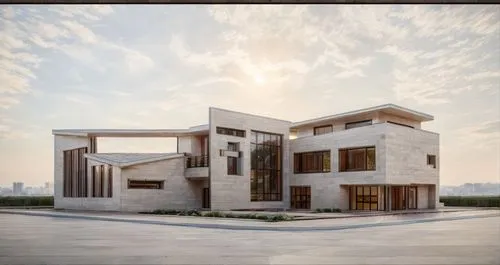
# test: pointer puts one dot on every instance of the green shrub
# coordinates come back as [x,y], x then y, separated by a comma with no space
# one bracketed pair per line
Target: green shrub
[267,218]
[328,210]
[27,201]
[471,201]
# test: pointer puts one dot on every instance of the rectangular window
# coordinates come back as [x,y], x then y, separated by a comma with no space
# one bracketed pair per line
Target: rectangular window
[102,181]
[356,124]
[323,129]
[363,198]
[232,147]
[431,160]
[357,159]
[146,184]
[311,162]
[400,124]
[300,197]
[229,131]
[265,166]
[232,166]
[75,173]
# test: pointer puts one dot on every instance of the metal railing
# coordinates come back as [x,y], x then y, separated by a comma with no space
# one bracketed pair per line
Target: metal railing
[197,161]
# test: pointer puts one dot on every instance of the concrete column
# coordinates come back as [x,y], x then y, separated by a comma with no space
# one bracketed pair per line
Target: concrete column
[388,194]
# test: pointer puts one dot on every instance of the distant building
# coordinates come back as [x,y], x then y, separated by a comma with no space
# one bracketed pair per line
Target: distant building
[17,188]
[49,188]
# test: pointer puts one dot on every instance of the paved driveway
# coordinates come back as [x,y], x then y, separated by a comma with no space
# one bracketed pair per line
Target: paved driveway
[55,240]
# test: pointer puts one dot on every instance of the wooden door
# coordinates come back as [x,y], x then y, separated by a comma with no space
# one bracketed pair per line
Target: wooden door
[206,198]
[300,197]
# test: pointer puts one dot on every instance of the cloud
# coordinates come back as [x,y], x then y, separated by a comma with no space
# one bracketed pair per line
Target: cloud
[79,99]
[446,64]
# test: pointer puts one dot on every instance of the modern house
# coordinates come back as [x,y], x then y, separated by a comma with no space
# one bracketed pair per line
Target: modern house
[376,159]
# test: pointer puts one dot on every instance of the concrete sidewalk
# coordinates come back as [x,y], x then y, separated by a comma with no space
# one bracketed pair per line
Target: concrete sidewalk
[254,225]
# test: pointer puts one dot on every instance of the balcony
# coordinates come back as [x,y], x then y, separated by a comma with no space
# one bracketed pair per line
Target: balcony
[197,167]
[197,161]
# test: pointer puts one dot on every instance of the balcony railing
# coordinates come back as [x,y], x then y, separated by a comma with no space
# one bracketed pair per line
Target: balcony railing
[197,161]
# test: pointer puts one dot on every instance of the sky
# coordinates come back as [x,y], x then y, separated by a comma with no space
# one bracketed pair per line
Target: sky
[133,66]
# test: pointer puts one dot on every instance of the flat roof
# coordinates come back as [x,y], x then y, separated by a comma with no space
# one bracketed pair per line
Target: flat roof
[195,130]
[129,159]
[386,108]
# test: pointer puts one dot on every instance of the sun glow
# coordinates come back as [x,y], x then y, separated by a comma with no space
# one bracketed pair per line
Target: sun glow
[259,79]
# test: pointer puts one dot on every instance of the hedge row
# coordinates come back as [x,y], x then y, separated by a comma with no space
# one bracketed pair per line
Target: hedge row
[27,201]
[471,201]
[266,218]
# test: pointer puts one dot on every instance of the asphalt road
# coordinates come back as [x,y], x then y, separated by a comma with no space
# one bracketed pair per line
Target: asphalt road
[52,240]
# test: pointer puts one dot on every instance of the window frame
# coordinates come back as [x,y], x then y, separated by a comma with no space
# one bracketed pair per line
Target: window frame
[316,130]
[345,159]
[354,124]
[430,161]
[75,179]
[230,131]
[132,182]
[266,178]
[400,124]
[316,158]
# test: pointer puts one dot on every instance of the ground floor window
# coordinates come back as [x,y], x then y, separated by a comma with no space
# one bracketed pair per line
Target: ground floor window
[364,198]
[75,173]
[146,184]
[300,197]
[102,181]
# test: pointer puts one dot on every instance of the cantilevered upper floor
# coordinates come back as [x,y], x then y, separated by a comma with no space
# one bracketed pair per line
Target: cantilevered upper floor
[388,113]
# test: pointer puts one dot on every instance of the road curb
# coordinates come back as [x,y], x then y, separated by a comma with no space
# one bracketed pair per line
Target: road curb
[275,228]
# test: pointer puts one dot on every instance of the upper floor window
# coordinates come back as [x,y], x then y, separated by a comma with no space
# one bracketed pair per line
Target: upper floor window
[357,159]
[232,147]
[356,124]
[311,162]
[400,124]
[431,160]
[323,129]
[232,132]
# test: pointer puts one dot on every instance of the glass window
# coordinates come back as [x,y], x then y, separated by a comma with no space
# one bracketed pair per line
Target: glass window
[266,167]
[230,131]
[357,159]
[323,129]
[312,162]
[356,124]
[431,160]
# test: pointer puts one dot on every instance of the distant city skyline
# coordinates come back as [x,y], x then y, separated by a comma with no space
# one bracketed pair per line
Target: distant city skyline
[133,66]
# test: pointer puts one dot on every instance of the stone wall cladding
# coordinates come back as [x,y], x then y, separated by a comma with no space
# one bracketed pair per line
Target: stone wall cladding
[407,151]
[326,191]
[230,191]
[178,193]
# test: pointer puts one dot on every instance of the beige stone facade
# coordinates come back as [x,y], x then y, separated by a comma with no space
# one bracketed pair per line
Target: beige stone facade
[197,175]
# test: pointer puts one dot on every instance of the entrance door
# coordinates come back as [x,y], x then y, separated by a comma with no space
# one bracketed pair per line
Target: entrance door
[300,197]
[206,198]
[398,198]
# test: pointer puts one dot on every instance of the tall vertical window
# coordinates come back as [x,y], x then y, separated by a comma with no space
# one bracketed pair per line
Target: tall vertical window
[311,162]
[357,159]
[431,160]
[266,175]
[102,181]
[323,129]
[75,173]
[233,167]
